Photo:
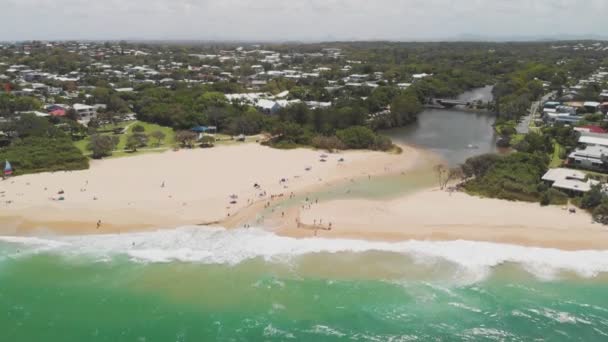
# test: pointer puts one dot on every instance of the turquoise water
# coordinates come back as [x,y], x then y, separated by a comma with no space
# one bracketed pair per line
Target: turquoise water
[198,284]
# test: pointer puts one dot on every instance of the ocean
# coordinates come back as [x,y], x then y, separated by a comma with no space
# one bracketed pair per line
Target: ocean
[211,284]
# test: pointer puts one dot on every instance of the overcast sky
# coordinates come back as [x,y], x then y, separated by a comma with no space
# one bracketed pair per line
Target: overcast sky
[299,19]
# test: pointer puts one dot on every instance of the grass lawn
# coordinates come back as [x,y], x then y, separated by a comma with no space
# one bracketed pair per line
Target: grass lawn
[556,161]
[119,151]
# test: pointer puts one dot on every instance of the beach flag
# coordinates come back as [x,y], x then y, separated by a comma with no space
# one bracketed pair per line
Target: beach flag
[8,169]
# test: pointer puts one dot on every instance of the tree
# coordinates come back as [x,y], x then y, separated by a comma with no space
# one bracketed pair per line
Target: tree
[159,136]
[592,198]
[478,166]
[136,140]
[102,145]
[405,108]
[357,137]
[186,138]
[138,129]
[441,172]
[207,141]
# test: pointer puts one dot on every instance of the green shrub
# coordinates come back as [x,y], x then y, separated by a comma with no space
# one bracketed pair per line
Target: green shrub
[553,197]
[39,154]
[514,177]
[600,213]
[357,137]
[327,143]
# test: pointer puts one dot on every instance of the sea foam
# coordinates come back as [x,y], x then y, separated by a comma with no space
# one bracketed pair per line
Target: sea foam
[210,245]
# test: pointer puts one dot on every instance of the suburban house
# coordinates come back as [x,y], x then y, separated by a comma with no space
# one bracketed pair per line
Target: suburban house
[267,106]
[85,112]
[592,106]
[593,139]
[591,158]
[590,129]
[571,181]
[594,153]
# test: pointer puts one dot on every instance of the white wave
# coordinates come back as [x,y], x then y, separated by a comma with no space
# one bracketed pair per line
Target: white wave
[219,246]
[464,307]
[560,317]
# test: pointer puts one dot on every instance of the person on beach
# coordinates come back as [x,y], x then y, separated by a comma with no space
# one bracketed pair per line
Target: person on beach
[98,224]
[163,184]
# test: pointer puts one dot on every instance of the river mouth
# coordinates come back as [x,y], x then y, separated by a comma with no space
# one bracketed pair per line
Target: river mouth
[455,135]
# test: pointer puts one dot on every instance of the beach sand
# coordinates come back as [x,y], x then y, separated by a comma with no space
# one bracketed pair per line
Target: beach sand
[440,216]
[127,194]
[176,188]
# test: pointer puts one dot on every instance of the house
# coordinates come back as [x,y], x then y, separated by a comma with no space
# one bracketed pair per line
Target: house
[593,139]
[565,118]
[421,76]
[571,181]
[591,158]
[267,106]
[592,106]
[85,113]
[590,129]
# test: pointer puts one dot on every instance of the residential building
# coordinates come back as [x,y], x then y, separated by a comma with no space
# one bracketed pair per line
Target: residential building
[593,139]
[85,113]
[590,158]
[571,181]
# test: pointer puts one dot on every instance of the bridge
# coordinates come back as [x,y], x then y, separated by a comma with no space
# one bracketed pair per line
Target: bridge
[450,102]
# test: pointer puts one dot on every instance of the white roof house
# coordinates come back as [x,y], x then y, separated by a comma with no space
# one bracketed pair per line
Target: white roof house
[571,180]
[594,139]
[591,104]
[267,106]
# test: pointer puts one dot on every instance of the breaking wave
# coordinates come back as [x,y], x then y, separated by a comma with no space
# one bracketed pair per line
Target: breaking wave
[219,246]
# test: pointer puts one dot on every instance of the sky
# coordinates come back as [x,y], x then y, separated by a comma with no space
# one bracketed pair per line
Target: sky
[300,20]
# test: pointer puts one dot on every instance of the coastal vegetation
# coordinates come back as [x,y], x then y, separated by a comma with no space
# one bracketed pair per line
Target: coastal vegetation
[515,177]
[41,147]
[344,93]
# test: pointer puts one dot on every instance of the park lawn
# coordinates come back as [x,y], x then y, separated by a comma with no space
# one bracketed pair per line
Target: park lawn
[556,161]
[119,151]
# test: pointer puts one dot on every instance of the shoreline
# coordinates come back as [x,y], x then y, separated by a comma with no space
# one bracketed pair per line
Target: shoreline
[424,214]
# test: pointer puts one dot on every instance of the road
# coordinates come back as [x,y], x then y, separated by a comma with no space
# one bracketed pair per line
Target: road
[524,125]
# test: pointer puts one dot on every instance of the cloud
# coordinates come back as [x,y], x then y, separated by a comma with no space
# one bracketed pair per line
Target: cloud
[297,19]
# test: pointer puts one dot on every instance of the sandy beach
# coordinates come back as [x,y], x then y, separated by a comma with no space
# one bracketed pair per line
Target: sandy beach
[441,216]
[216,187]
[177,188]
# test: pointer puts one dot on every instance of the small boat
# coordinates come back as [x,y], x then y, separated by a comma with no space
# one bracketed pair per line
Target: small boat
[472,147]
